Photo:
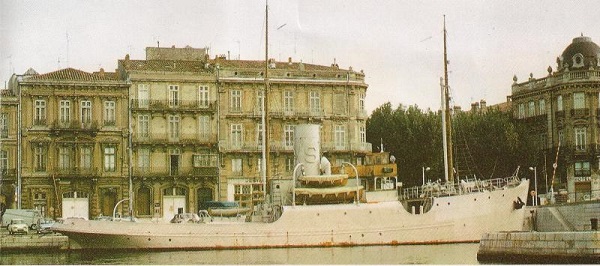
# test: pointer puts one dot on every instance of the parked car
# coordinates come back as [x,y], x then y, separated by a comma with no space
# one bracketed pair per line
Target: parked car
[29,216]
[185,218]
[18,226]
[45,226]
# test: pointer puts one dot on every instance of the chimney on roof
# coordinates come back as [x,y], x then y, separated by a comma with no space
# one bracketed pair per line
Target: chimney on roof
[173,46]
[101,72]
[483,105]
[290,60]
[127,57]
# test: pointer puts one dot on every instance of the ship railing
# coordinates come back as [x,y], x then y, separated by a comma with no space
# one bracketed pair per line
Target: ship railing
[464,186]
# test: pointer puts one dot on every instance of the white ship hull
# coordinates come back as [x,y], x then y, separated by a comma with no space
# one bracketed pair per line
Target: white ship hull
[453,219]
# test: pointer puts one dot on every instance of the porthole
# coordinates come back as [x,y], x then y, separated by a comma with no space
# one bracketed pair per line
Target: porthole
[448,203]
[475,199]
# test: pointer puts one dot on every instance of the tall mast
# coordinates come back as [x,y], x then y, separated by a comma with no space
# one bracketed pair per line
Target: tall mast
[447,117]
[265,107]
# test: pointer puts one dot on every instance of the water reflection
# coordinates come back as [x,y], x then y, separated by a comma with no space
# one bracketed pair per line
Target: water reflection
[415,254]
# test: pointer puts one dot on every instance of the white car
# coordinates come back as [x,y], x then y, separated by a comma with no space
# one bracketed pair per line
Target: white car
[18,226]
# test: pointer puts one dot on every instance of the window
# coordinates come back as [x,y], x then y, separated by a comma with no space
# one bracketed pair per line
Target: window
[362,134]
[40,113]
[109,158]
[236,101]
[236,135]
[86,112]
[288,135]
[260,98]
[40,157]
[143,126]
[559,103]
[289,164]
[65,155]
[288,101]
[361,101]
[340,137]
[3,160]
[236,166]
[203,96]
[315,102]
[173,127]
[109,113]
[582,169]
[144,160]
[3,125]
[259,132]
[143,96]
[204,127]
[173,96]
[86,157]
[542,107]
[561,138]
[205,160]
[174,155]
[580,139]
[521,114]
[531,111]
[578,100]
[65,112]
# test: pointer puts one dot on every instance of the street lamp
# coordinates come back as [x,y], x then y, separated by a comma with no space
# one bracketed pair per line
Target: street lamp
[534,199]
[425,169]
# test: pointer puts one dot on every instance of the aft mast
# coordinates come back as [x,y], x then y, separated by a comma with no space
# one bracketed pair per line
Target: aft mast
[447,118]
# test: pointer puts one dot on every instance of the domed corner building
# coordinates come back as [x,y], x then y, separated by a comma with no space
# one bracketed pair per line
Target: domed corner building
[563,109]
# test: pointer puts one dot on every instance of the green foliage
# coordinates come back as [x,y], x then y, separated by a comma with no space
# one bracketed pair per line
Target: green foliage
[495,143]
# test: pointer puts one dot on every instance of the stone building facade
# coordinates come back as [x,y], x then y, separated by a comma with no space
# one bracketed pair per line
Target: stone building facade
[9,104]
[73,145]
[182,127]
[563,110]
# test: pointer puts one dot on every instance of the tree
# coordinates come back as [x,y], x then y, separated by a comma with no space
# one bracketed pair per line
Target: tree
[495,143]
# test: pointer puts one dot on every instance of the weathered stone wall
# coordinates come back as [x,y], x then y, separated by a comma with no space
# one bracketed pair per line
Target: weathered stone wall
[567,217]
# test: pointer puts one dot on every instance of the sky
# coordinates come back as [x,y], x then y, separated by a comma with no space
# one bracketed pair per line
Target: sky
[398,43]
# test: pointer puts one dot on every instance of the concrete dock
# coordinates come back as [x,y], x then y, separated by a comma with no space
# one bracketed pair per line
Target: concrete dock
[32,242]
[540,247]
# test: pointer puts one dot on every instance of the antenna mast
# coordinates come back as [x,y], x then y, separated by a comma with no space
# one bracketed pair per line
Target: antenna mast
[265,107]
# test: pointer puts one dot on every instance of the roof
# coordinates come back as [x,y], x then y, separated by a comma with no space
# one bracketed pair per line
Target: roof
[583,46]
[76,75]
[205,66]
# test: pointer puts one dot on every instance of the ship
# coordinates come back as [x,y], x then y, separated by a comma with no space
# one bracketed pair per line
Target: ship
[334,207]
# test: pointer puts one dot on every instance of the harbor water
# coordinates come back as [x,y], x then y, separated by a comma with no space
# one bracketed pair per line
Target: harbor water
[404,254]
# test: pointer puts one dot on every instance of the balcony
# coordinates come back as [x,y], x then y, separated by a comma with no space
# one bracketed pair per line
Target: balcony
[158,172]
[164,138]
[364,147]
[59,126]
[76,172]
[580,113]
[160,105]
[8,172]
[276,146]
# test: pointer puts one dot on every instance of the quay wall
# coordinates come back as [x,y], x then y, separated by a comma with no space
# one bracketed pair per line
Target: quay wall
[540,247]
[566,217]
[33,242]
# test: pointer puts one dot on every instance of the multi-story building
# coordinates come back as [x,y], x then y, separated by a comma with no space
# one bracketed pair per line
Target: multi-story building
[174,120]
[73,146]
[8,149]
[197,124]
[563,111]
[177,128]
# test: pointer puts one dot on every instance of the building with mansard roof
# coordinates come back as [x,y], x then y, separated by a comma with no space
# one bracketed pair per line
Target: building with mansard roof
[562,110]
